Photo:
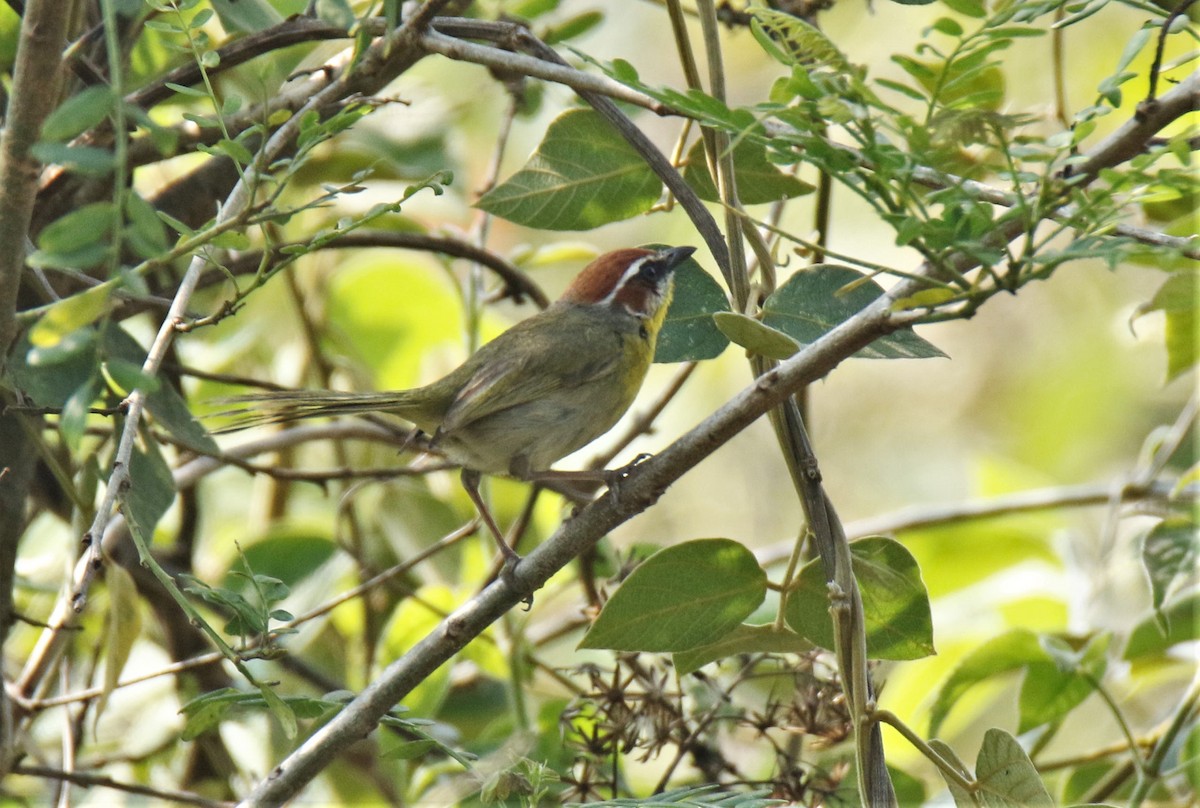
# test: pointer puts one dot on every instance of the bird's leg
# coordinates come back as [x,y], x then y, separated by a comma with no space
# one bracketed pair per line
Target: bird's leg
[587,479]
[470,481]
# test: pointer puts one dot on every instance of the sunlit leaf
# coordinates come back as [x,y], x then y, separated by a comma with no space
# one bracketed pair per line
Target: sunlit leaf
[815,300]
[680,598]
[582,175]
[895,604]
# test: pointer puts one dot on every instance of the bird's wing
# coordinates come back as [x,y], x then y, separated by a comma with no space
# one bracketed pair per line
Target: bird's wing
[511,372]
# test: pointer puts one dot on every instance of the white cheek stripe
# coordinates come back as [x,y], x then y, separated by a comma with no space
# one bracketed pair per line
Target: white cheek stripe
[629,273]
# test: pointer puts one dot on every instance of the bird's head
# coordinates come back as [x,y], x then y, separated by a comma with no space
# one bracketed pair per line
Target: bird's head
[634,280]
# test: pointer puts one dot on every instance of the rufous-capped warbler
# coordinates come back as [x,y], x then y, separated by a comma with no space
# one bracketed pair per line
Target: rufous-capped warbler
[542,389]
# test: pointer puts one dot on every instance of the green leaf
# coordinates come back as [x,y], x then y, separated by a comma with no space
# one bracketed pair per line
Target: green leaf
[289,556]
[743,639]
[69,315]
[758,180]
[144,231]
[124,376]
[281,711]
[794,41]
[151,487]
[73,420]
[1050,690]
[1177,621]
[682,597]
[1176,298]
[78,114]
[162,400]
[969,8]
[895,603]
[411,750]
[91,160]
[755,337]
[246,17]
[815,300]
[962,797]
[582,175]
[1169,554]
[124,626]
[689,333]
[77,240]
[1011,651]
[1006,775]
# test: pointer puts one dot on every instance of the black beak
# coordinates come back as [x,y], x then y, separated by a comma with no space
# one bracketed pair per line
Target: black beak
[673,256]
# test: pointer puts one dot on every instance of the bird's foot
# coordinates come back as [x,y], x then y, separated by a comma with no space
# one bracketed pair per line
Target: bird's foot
[614,477]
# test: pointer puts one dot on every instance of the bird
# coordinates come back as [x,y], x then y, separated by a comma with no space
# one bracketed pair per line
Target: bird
[547,386]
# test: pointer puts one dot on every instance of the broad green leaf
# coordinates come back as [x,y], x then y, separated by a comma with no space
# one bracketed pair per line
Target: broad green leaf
[1177,621]
[754,336]
[144,231]
[163,401]
[288,555]
[743,639]
[681,598]
[1011,651]
[1006,775]
[582,175]
[151,487]
[1169,554]
[123,627]
[1050,690]
[49,377]
[815,300]
[78,114]
[758,179]
[895,603]
[124,376]
[68,316]
[689,333]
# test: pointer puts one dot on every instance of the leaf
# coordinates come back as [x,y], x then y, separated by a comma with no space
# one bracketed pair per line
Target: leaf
[91,160]
[281,711]
[758,180]
[163,401]
[78,114]
[1006,775]
[743,639]
[794,41]
[151,489]
[76,240]
[246,16]
[122,630]
[895,603]
[411,750]
[70,315]
[689,333]
[1177,621]
[815,300]
[1050,690]
[962,797]
[680,598]
[1169,554]
[1176,298]
[755,337]
[582,175]
[73,420]
[1011,651]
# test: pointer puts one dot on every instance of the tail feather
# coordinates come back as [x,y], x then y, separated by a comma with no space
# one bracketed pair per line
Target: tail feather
[286,406]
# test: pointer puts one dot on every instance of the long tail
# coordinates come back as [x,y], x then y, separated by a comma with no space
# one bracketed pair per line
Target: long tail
[293,405]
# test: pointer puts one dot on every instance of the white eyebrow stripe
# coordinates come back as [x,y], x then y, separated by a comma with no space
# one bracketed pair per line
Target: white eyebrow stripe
[629,273]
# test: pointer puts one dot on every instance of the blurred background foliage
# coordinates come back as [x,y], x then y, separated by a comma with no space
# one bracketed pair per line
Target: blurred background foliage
[1062,387]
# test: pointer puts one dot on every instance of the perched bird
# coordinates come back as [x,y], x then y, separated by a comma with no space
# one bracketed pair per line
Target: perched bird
[542,389]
